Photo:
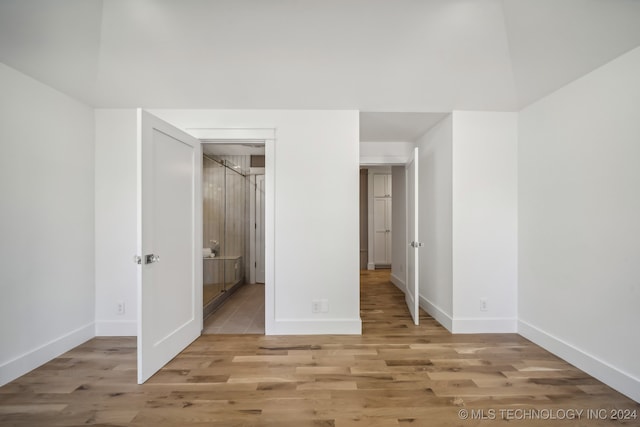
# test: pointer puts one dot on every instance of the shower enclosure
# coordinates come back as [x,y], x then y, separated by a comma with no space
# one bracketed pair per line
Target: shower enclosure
[225,227]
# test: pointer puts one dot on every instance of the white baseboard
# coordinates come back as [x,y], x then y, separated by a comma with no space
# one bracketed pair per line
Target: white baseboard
[485,325]
[437,313]
[316,327]
[30,360]
[398,282]
[622,381]
[116,328]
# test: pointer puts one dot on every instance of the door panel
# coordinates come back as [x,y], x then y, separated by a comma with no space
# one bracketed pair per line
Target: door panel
[169,208]
[387,185]
[379,247]
[379,215]
[411,294]
[379,185]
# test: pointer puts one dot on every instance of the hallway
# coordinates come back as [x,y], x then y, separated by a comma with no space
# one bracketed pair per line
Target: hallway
[395,374]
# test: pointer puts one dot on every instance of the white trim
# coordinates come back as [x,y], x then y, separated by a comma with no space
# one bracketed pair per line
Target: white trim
[253,219]
[317,327]
[622,381]
[485,325]
[32,359]
[371,266]
[235,135]
[270,236]
[268,137]
[383,161]
[116,328]
[400,284]
[252,230]
[437,313]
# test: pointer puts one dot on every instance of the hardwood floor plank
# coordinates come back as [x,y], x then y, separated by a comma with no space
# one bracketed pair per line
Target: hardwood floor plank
[395,374]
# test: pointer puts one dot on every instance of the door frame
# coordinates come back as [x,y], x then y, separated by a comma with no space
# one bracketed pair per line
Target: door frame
[381,166]
[240,135]
[253,219]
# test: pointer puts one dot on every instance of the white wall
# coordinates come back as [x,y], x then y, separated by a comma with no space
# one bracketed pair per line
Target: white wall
[315,246]
[399,226]
[435,221]
[485,221]
[115,221]
[46,224]
[579,292]
[385,153]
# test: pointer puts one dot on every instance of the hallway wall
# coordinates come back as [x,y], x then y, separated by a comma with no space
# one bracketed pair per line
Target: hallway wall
[468,221]
[435,224]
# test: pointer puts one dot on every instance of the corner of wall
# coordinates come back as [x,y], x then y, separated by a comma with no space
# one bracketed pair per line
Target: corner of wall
[32,359]
[437,313]
[601,370]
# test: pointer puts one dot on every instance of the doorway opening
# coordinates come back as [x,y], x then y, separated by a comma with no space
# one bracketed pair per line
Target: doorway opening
[382,220]
[233,237]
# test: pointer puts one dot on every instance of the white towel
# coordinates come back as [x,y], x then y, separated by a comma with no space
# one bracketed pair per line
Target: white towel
[206,252]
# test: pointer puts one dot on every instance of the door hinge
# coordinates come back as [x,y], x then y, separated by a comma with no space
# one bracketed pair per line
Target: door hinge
[137,259]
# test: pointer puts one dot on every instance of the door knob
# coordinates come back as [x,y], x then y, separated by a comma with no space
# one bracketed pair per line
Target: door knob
[151,258]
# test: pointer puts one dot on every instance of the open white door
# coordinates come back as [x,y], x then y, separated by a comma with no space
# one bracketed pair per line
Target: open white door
[411,293]
[169,243]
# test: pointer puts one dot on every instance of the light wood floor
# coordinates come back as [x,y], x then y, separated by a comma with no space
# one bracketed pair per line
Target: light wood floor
[395,374]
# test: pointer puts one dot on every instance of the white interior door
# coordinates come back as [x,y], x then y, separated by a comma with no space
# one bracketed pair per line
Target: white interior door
[260,225]
[380,230]
[411,293]
[169,243]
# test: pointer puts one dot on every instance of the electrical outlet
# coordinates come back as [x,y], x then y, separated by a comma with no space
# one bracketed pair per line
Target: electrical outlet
[120,307]
[316,306]
[484,304]
[324,306]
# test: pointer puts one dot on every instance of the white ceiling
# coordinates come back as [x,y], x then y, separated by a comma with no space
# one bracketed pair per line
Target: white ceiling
[369,55]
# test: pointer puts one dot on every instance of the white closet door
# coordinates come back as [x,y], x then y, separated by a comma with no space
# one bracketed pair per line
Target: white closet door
[387,185]
[387,217]
[380,231]
[380,185]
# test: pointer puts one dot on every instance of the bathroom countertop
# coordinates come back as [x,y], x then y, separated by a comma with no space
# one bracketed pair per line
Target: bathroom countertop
[224,258]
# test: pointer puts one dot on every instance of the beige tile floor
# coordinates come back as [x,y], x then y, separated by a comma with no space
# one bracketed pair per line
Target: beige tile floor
[242,313]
